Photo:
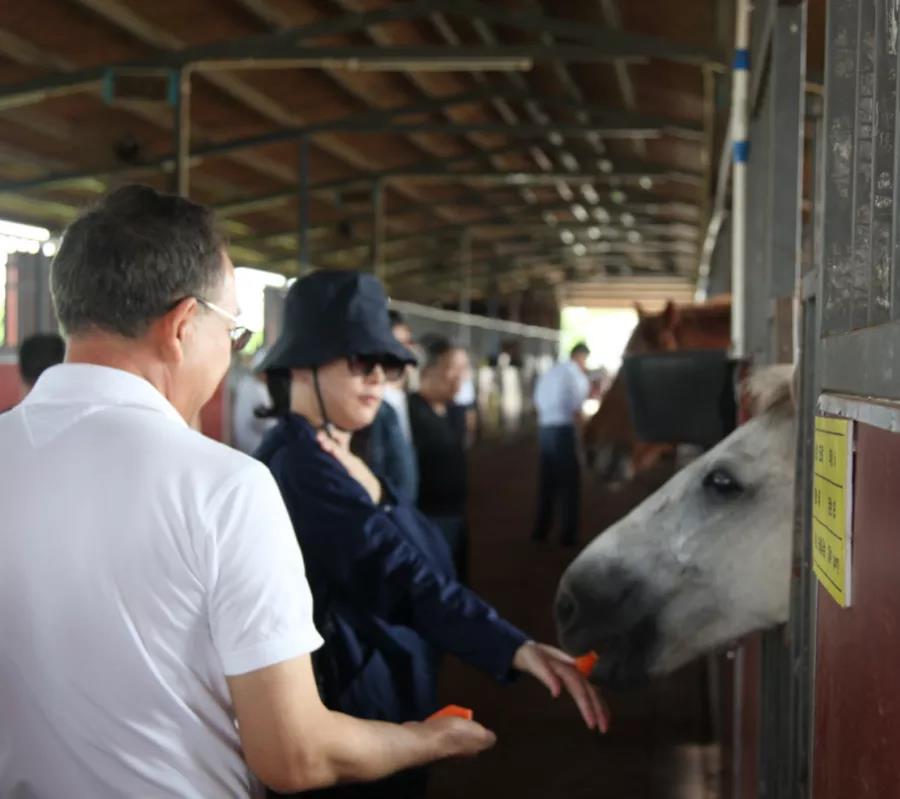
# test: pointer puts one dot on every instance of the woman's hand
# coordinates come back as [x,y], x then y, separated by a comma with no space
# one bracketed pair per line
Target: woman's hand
[556,670]
[339,448]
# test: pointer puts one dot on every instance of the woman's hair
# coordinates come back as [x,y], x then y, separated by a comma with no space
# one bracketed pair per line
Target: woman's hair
[278,381]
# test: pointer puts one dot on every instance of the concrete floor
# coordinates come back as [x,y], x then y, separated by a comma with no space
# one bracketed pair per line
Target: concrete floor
[658,745]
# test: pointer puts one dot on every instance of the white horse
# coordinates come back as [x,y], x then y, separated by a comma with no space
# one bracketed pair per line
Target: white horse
[703,561]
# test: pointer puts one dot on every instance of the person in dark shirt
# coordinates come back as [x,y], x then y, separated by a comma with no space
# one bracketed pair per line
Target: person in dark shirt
[439,434]
[38,353]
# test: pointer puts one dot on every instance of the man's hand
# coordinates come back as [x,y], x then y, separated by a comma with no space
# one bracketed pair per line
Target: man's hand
[456,737]
[292,742]
[339,448]
[556,670]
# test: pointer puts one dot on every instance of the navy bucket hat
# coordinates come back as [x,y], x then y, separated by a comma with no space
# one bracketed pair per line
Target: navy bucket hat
[334,314]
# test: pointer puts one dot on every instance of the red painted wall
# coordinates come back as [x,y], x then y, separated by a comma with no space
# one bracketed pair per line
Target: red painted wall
[857,692]
[10,386]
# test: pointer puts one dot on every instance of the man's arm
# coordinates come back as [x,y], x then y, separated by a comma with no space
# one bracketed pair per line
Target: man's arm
[292,742]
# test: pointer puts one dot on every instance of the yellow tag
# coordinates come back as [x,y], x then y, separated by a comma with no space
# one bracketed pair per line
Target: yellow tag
[832,506]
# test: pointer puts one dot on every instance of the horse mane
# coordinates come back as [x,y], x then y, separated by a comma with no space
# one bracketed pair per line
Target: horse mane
[771,389]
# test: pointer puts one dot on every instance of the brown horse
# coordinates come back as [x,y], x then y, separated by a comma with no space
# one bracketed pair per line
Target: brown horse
[609,437]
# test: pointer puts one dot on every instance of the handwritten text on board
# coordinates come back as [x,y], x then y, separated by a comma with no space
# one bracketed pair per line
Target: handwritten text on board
[832,506]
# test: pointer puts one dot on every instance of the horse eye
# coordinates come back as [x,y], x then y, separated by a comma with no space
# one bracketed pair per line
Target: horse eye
[722,482]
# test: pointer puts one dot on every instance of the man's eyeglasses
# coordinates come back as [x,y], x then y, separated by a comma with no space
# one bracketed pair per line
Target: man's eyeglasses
[240,335]
[364,365]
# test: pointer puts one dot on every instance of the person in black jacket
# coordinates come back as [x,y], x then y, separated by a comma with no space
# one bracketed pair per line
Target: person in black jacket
[385,595]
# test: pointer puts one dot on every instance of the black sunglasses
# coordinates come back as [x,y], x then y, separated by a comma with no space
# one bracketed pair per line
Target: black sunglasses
[364,365]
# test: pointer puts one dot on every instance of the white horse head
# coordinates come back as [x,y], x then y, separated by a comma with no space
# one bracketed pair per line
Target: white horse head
[703,561]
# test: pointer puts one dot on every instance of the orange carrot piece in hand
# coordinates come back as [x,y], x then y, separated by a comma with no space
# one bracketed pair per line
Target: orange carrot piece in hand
[585,664]
[453,710]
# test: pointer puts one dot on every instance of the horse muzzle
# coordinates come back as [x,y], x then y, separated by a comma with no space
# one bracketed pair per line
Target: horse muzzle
[612,613]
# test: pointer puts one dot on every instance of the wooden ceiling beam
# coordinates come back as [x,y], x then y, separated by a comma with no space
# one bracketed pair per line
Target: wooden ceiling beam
[236,88]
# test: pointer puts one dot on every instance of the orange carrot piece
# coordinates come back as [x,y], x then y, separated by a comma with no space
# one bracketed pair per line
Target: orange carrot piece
[585,664]
[453,710]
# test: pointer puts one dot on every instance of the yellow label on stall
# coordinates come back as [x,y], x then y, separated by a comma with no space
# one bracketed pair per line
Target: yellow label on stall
[832,505]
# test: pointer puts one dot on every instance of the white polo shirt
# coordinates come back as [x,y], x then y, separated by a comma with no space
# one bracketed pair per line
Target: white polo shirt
[140,563]
[560,393]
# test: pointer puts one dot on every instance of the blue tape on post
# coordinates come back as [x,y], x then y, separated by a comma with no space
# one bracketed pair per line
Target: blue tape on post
[108,87]
[173,87]
[741,59]
[741,152]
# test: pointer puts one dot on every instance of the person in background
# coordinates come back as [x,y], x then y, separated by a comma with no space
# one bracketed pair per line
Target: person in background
[155,617]
[396,393]
[439,434]
[384,592]
[38,353]
[466,398]
[558,396]
[249,395]
[386,445]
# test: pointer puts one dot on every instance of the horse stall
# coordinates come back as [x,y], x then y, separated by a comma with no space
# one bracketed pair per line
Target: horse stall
[824,706]
[808,705]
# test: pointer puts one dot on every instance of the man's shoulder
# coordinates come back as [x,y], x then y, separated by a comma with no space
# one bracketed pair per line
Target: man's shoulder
[190,452]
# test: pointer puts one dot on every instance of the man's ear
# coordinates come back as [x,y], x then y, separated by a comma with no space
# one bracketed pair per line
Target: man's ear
[174,329]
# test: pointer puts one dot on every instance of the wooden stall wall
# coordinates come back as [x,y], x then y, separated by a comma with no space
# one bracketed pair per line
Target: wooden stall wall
[857,717]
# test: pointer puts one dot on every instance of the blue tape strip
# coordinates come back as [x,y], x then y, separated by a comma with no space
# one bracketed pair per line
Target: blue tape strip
[741,59]
[741,152]
[173,89]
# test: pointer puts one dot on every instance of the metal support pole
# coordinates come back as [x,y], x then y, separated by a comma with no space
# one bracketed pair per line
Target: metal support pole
[182,104]
[786,138]
[303,264]
[377,227]
[465,298]
[739,126]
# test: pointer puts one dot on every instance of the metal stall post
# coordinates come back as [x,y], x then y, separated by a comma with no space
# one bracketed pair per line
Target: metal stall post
[863,152]
[465,299]
[840,108]
[885,108]
[739,132]
[786,127]
[303,264]
[802,615]
[181,85]
[758,230]
[377,227]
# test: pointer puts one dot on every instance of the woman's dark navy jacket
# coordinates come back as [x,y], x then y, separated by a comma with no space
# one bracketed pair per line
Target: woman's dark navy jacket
[385,598]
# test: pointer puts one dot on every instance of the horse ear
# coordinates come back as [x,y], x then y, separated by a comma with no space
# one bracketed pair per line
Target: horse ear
[671,316]
[771,387]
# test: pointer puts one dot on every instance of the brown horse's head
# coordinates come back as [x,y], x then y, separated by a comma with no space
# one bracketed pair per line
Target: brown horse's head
[608,435]
[655,332]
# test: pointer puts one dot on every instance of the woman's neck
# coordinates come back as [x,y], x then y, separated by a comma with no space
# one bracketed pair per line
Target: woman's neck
[305,404]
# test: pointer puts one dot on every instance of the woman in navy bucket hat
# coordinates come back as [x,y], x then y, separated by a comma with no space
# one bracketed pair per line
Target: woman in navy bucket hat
[386,599]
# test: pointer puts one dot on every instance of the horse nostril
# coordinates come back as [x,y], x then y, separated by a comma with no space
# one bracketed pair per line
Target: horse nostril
[566,609]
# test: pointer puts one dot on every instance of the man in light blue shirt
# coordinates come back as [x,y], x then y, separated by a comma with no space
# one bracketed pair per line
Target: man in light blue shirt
[558,397]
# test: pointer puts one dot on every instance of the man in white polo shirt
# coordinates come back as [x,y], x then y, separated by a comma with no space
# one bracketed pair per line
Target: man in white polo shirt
[155,620]
[558,396]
